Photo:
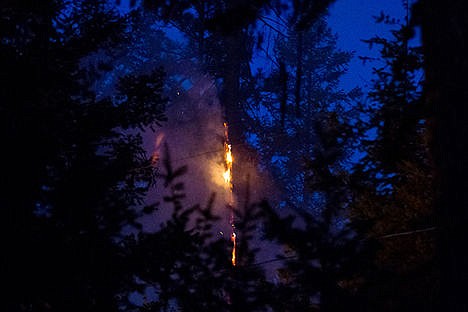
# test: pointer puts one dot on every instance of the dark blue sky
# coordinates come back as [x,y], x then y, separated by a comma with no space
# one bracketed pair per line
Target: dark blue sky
[353,21]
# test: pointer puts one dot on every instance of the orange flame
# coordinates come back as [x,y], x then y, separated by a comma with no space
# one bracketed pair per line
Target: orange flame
[233,254]
[228,159]
[227,175]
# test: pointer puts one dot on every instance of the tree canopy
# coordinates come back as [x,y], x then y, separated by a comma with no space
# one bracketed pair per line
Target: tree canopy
[364,204]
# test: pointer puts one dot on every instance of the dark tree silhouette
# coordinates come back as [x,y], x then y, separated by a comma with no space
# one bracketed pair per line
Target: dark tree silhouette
[75,173]
[393,201]
[72,172]
[444,27]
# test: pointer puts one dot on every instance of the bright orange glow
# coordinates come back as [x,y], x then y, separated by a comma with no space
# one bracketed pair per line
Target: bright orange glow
[227,175]
[229,155]
[233,254]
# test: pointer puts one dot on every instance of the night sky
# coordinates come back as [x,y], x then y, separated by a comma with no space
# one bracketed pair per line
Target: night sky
[353,21]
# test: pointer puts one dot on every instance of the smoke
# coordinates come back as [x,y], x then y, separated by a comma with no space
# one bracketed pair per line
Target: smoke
[194,136]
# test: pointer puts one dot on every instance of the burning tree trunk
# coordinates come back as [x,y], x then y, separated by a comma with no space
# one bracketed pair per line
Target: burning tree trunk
[227,175]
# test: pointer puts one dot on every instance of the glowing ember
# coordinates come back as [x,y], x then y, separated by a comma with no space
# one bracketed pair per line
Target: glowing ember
[229,155]
[233,255]
[227,175]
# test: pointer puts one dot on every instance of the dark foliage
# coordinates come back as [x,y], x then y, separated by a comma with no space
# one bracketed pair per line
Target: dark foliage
[394,186]
[443,28]
[72,172]
[75,174]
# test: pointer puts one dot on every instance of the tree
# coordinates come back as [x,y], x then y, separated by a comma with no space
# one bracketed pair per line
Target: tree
[443,27]
[225,34]
[393,201]
[310,116]
[304,129]
[186,265]
[76,175]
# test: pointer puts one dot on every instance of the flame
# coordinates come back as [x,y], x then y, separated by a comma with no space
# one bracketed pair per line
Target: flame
[229,155]
[233,254]
[227,175]
[228,159]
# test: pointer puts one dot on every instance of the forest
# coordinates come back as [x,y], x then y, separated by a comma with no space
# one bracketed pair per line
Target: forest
[204,155]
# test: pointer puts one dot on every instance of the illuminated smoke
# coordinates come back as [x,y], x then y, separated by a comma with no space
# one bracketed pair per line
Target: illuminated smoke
[197,137]
[194,134]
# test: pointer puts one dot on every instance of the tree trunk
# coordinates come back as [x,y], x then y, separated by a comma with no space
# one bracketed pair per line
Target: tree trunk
[445,29]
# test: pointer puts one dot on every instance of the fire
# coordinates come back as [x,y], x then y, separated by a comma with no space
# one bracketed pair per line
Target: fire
[228,159]
[227,175]
[229,155]
[233,254]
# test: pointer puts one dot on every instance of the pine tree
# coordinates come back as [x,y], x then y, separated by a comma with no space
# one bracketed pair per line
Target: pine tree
[443,27]
[306,132]
[311,115]
[76,175]
[394,195]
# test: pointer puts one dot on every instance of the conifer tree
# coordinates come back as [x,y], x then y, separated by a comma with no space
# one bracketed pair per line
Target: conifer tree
[315,118]
[73,173]
[443,27]
[393,203]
